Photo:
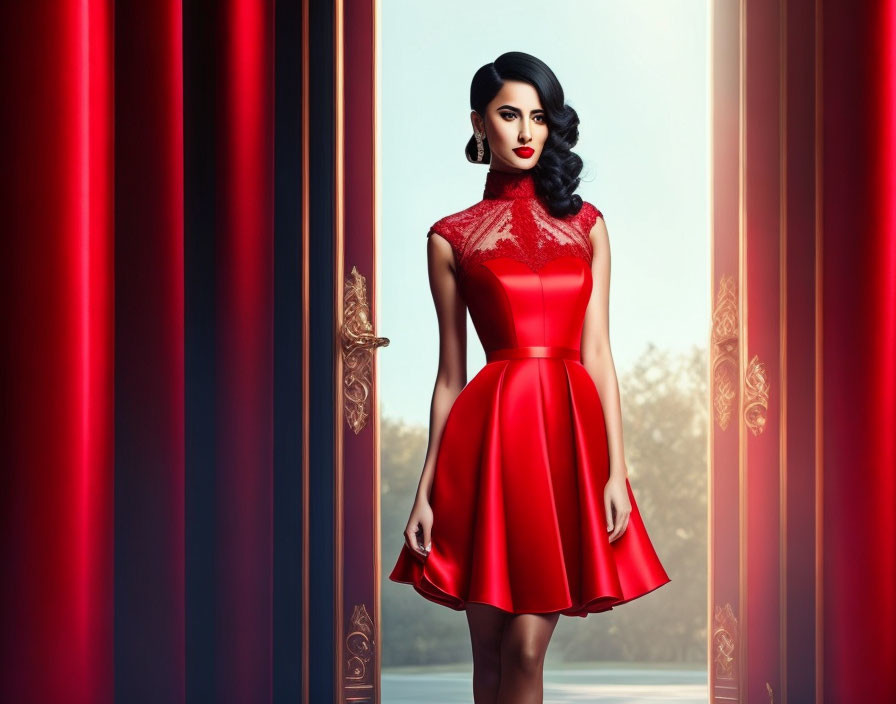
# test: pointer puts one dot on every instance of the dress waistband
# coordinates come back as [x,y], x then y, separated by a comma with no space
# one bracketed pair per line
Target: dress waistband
[533,351]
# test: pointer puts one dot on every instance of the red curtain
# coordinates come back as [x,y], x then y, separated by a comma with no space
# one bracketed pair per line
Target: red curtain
[58,303]
[245,356]
[150,638]
[96,581]
[859,351]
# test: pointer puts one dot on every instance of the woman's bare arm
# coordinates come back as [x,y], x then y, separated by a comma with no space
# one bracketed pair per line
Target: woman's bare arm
[450,378]
[452,372]
[596,354]
[598,360]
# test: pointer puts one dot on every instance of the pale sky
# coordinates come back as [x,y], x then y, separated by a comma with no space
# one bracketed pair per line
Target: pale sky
[636,71]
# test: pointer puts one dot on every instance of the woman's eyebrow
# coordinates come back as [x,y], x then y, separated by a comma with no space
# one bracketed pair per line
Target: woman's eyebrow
[515,109]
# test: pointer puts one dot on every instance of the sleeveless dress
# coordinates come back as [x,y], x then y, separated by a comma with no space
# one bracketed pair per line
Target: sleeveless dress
[518,488]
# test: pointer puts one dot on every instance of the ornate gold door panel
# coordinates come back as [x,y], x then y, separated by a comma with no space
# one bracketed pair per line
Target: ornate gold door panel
[357,472]
[762,509]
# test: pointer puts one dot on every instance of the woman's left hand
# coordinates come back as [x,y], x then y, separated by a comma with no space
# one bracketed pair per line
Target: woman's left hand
[616,501]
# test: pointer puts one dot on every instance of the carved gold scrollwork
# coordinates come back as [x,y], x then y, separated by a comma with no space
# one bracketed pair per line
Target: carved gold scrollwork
[358,343]
[756,390]
[360,651]
[724,350]
[724,642]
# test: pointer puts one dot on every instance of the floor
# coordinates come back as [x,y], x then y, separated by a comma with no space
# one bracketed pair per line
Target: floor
[606,685]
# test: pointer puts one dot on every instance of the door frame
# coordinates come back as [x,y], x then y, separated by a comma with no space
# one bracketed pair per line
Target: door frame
[764,617]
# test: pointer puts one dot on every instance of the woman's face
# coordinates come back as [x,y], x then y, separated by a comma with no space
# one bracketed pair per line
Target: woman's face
[515,127]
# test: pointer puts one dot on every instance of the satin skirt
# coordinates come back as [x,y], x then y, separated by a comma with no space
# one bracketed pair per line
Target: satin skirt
[518,498]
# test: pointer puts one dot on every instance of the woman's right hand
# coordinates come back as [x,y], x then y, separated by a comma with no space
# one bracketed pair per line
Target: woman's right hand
[419,529]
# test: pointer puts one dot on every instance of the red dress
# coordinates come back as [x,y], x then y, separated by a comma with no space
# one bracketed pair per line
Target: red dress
[518,489]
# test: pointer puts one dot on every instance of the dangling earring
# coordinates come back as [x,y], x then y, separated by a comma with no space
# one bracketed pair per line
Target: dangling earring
[480,149]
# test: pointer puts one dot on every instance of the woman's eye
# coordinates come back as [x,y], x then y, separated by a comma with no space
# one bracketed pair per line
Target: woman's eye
[512,115]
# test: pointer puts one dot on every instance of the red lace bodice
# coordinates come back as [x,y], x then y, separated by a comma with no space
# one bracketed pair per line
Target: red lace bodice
[511,221]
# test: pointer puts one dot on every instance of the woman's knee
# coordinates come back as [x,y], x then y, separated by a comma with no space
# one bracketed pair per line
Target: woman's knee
[523,654]
[526,640]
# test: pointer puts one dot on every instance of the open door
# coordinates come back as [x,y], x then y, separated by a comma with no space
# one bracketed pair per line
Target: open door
[357,534]
[763,490]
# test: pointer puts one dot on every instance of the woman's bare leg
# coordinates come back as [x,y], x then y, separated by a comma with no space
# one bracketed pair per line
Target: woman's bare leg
[486,626]
[523,647]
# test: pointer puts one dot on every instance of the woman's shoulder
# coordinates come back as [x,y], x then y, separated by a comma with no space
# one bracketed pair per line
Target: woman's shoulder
[586,218]
[454,227]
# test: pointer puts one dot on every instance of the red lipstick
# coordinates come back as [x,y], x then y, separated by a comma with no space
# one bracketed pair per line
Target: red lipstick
[524,152]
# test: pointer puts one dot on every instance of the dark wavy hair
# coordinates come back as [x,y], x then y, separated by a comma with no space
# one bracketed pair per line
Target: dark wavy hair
[556,175]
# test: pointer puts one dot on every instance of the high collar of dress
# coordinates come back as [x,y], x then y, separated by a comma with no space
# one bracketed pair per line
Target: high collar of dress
[509,185]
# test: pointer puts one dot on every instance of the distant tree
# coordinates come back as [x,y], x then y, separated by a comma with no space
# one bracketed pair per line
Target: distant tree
[416,631]
[665,416]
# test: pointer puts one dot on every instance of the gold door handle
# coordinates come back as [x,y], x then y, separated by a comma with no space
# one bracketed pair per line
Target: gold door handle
[756,393]
[725,345]
[358,343]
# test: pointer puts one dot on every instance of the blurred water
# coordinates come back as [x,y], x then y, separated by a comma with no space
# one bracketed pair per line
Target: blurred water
[601,686]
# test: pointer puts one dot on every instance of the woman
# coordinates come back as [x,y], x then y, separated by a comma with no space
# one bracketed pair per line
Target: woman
[525,463]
